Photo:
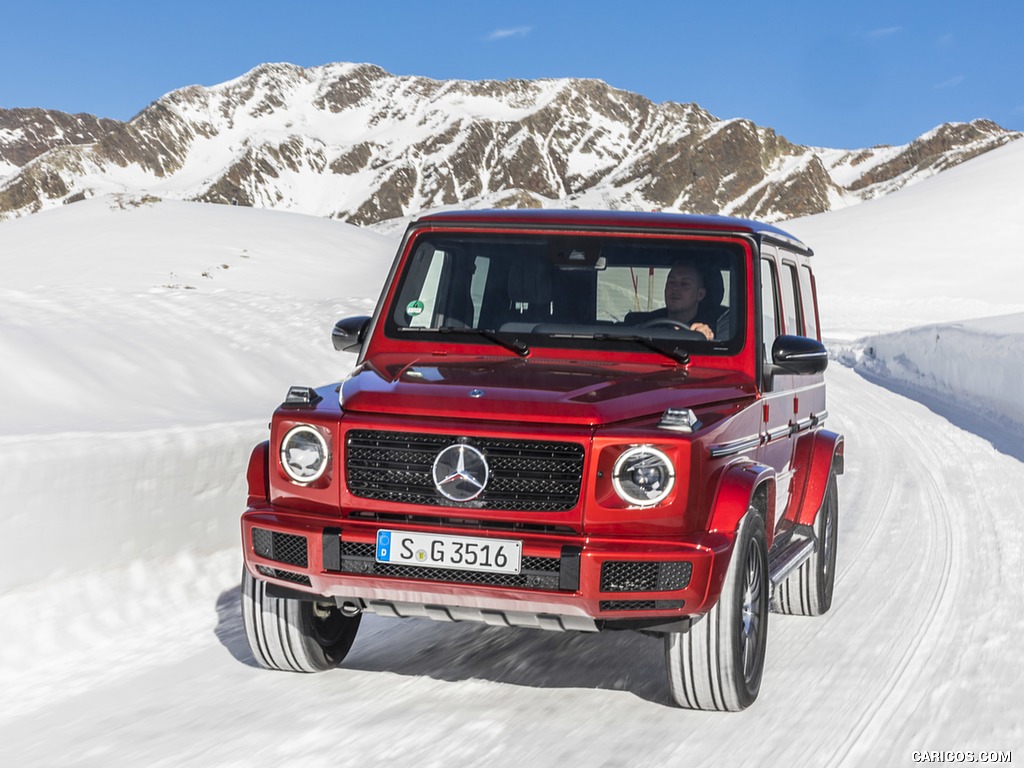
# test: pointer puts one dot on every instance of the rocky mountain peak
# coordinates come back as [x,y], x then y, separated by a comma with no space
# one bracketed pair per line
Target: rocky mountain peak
[353,142]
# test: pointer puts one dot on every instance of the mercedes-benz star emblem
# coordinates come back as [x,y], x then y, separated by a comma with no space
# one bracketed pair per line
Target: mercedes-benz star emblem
[460,472]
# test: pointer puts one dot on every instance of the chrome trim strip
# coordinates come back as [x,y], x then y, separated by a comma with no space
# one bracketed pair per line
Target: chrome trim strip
[735,446]
[778,432]
[819,418]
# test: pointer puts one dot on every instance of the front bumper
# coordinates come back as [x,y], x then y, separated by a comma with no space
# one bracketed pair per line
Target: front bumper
[566,581]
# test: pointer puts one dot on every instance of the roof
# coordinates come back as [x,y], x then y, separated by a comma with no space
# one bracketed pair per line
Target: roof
[612,219]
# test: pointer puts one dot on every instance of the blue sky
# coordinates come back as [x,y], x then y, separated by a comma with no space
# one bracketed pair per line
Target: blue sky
[822,73]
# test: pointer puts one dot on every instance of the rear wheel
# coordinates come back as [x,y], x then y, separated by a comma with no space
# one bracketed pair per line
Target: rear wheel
[808,591]
[717,665]
[294,635]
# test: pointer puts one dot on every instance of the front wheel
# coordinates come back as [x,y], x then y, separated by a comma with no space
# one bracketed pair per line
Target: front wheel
[294,635]
[717,665]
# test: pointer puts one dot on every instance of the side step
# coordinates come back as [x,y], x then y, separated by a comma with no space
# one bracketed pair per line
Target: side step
[789,558]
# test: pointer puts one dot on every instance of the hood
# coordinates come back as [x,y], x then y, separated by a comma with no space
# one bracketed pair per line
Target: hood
[534,390]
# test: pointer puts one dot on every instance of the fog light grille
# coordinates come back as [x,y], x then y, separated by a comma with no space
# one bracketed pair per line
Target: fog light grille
[280,547]
[644,576]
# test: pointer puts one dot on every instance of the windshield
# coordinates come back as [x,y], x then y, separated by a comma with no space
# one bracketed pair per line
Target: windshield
[573,291]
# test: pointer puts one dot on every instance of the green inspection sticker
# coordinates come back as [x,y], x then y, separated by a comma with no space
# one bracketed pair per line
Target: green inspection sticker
[414,308]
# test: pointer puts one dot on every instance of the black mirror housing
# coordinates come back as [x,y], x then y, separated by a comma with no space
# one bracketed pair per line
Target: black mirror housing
[799,355]
[348,334]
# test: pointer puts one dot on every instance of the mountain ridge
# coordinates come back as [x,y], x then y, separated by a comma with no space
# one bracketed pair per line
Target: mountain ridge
[355,143]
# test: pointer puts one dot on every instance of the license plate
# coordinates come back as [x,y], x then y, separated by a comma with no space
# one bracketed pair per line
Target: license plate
[463,553]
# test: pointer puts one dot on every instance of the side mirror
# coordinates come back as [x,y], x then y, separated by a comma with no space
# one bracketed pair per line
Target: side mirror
[348,334]
[799,355]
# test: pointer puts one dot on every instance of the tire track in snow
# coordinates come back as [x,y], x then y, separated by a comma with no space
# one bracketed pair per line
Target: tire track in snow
[923,608]
[931,593]
[855,670]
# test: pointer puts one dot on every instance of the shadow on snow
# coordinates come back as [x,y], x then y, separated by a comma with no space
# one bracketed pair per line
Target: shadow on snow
[458,652]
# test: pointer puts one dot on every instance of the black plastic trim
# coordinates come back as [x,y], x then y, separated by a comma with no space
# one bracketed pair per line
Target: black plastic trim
[650,626]
[569,570]
[287,593]
[332,549]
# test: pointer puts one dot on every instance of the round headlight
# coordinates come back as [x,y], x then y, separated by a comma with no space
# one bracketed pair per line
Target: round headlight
[643,476]
[304,454]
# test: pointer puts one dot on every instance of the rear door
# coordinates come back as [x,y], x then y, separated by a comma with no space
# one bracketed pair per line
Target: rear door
[776,448]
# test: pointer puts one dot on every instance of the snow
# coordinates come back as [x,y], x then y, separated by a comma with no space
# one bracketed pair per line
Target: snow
[942,250]
[145,344]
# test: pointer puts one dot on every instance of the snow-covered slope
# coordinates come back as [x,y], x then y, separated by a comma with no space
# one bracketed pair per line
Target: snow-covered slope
[132,314]
[123,644]
[945,249]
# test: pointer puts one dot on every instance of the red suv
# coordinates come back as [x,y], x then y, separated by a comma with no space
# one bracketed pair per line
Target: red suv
[565,420]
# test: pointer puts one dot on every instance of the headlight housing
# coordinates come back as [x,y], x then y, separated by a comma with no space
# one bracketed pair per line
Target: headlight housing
[304,454]
[643,476]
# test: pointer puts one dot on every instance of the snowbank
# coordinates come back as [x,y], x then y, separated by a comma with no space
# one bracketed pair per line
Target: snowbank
[977,365]
[82,501]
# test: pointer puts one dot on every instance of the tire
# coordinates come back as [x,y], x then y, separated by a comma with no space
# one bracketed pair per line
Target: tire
[717,665]
[294,635]
[808,590]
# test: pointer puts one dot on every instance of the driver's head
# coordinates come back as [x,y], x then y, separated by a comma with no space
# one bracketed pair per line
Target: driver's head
[684,288]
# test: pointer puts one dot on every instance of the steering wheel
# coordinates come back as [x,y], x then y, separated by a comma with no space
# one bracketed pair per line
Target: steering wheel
[675,325]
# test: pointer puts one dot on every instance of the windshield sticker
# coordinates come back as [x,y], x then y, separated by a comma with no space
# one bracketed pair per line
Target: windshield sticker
[414,308]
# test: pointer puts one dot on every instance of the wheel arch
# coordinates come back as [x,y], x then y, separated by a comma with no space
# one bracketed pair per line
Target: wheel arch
[258,473]
[741,486]
[818,455]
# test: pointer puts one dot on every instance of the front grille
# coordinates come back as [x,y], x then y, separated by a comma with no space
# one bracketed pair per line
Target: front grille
[280,547]
[644,576]
[277,573]
[525,475]
[535,572]
[640,605]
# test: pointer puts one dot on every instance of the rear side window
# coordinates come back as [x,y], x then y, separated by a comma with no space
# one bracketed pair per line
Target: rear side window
[809,302]
[769,308]
[791,299]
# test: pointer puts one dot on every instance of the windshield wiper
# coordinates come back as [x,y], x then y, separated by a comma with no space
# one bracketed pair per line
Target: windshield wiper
[513,346]
[679,355]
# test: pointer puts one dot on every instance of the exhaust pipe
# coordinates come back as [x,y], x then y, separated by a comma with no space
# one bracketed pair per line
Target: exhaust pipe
[350,609]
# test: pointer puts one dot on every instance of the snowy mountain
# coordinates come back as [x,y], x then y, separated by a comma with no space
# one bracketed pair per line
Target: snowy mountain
[352,142]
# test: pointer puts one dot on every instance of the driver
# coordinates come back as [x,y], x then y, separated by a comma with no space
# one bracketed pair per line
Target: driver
[684,289]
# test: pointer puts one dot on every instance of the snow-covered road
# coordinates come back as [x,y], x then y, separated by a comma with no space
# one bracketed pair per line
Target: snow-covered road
[147,665]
